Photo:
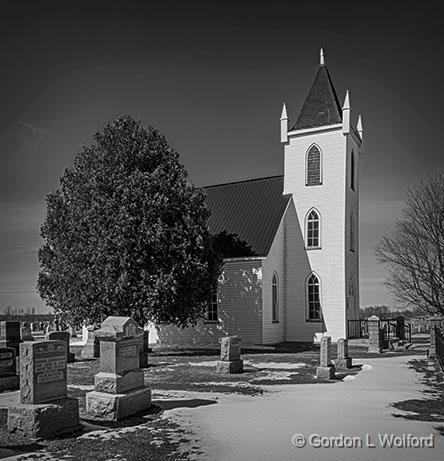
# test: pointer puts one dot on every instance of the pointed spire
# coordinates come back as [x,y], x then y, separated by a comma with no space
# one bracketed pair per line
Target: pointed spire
[346,101]
[284,112]
[284,124]
[359,127]
[322,60]
[346,114]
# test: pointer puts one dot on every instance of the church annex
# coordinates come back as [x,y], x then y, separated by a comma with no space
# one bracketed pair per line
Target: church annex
[303,227]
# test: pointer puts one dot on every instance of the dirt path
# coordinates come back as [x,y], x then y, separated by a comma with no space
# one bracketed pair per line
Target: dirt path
[261,428]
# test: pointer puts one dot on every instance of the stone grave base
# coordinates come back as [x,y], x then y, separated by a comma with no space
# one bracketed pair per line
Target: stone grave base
[230,366]
[374,350]
[326,372]
[343,364]
[114,407]
[118,384]
[58,417]
[9,383]
[71,357]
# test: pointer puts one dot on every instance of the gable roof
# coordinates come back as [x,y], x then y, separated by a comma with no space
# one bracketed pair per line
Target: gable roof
[251,209]
[321,106]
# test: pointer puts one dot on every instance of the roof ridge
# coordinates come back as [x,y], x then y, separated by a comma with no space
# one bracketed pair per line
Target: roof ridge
[242,181]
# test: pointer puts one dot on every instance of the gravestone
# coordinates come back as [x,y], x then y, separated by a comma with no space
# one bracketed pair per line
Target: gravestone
[119,385]
[374,335]
[326,369]
[9,379]
[61,336]
[230,361]
[10,335]
[144,349]
[25,333]
[44,408]
[343,361]
[91,347]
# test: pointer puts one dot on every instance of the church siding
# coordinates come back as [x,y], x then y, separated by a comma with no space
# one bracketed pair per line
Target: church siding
[274,332]
[239,309]
[327,262]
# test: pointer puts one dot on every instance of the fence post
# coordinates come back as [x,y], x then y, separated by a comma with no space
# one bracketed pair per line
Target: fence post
[434,322]
[374,335]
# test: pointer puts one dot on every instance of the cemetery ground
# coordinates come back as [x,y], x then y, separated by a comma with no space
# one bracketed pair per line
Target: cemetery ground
[199,414]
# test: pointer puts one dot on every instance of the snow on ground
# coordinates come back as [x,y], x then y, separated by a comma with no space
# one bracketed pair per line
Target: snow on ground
[262,428]
[83,387]
[276,365]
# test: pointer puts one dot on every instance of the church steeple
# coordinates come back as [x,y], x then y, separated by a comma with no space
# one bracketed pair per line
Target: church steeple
[321,106]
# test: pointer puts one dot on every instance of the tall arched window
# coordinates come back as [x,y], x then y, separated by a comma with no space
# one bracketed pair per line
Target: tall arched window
[275,298]
[352,171]
[313,230]
[313,167]
[352,232]
[313,298]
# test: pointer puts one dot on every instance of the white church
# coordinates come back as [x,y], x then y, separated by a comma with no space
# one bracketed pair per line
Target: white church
[303,227]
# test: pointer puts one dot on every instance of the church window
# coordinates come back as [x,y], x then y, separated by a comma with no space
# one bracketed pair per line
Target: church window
[275,298]
[313,298]
[212,315]
[313,175]
[352,171]
[313,230]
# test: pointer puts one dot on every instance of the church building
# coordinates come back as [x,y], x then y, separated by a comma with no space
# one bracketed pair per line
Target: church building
[301,280]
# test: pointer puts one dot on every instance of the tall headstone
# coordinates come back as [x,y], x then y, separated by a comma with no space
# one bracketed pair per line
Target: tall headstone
[374,335]
[44,407]
[120,390]
[9,379]
[61,336]
[144,348]
[25,333]
[10,335]
[230,361]
[343,361]
[91,347]
[326,369]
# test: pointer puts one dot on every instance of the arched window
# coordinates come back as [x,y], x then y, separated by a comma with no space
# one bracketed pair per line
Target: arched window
[313,230]
[313,175]
[275,298]
[352,171]
[313,298]
[352,232]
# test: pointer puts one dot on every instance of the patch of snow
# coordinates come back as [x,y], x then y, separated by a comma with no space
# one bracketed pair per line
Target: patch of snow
[226,383]
[274,376]
[276,365]
[203,364]
[349,378]
[366,367]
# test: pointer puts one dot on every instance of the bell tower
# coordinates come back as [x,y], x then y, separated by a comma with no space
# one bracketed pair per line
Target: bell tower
[322,149]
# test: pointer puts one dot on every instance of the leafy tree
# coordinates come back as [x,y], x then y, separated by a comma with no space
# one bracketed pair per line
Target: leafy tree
[227,245]
[414,252]
[126,233]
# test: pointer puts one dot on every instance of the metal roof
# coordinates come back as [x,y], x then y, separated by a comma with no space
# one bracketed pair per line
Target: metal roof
[321,106]
[251,209]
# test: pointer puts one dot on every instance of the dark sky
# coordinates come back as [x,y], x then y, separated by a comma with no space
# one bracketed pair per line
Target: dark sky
[212,78]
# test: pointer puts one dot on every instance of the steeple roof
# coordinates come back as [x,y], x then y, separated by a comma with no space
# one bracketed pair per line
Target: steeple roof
[321,106]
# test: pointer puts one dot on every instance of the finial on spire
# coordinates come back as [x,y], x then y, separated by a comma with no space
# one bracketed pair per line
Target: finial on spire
[322,60]
[346,102]
[284,112]
[359,127]
[284,124]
